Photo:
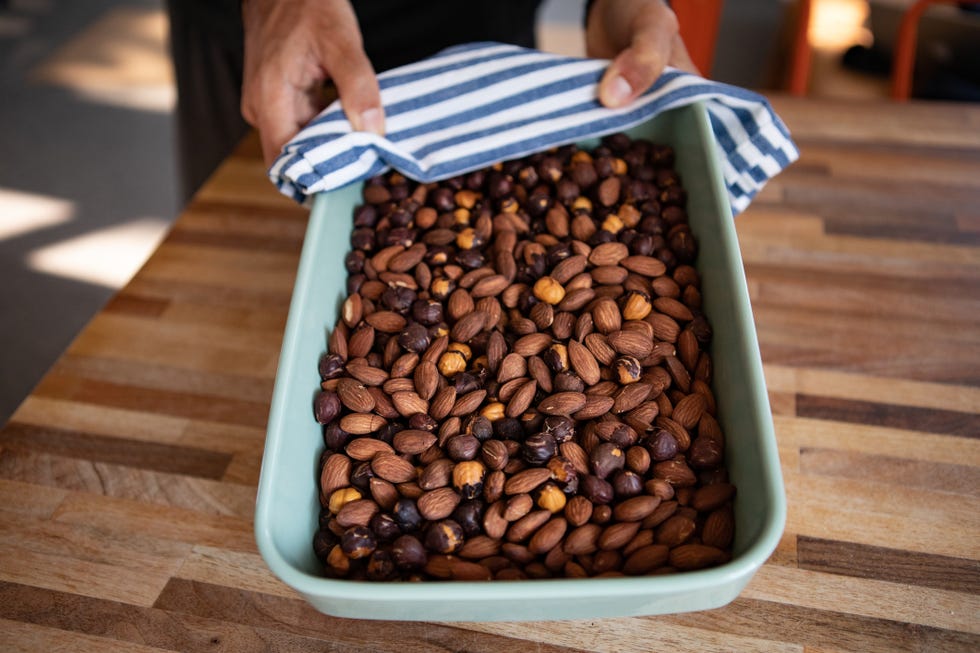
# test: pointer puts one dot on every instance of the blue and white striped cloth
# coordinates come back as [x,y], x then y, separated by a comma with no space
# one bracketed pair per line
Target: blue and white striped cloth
[474,105]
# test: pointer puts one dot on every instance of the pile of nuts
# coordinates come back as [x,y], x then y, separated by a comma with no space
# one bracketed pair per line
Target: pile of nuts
[519,383]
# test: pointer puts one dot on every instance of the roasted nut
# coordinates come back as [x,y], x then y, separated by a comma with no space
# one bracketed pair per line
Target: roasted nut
[519,381]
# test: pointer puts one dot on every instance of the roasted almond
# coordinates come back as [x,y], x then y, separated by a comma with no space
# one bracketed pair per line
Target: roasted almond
[599,347]
[442,402]
[468,326]
[367,448]
[361,423]
[688,557]
[673,308]
[583,362]
[521,400]
[630,343]
[532,344]
[526,480]
[562,403]
[490,286]
[468,403]
[636,508]
[583,540]
[412,441]
[719,528]
[335,474]
[392,468]
[527,525]
[352,310]
[438,504]
[615,536]
[596,405]
[548,536]
[386,321]
[609,254]
[357,513]
[409,403]
[648,266]
[646,559]
[354,395]
[687,412]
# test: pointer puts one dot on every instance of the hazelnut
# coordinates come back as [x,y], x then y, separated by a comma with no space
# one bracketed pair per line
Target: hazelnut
[548,290]
[468,478]
[551,498]
[493,411]
[636,306]
[628,369]
[451,363]
[338,498]
[358,542]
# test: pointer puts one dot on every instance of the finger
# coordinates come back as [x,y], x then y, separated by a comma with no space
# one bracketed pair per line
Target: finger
[357,86]
[278,121]
[638,66]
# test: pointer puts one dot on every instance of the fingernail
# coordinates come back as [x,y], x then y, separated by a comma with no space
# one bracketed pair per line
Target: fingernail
[372,120]
[618,91]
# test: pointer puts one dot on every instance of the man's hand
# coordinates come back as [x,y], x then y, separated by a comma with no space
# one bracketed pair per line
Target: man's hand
[291,48]
[642,38]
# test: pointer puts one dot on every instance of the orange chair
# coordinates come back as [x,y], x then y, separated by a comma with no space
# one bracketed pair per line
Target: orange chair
[699,21]
[903,59]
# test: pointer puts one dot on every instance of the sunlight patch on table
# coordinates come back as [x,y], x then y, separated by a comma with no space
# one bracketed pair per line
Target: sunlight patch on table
[107,257]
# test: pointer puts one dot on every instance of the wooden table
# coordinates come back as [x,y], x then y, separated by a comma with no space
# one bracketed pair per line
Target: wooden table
[127,478]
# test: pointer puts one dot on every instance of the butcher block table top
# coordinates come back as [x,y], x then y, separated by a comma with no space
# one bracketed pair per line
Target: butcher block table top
[128,476]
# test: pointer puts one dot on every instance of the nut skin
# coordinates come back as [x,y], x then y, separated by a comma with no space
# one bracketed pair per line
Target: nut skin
[468,478]
[539,448]
[358,542]
[444,536]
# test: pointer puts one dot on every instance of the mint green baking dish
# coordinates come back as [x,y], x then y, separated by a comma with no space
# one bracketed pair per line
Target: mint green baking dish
[287,503]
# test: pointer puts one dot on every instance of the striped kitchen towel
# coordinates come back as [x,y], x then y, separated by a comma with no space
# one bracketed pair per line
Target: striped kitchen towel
[474,105]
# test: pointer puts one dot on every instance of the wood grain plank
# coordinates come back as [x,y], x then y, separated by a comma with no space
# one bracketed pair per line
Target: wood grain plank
[878,468]
[142,454]
[228,350]
[165,376]
[118,624]
[639,634]
[217,266]
[881,515]
[155,401]
[875,599]
[296,617]
[125,517]
[846,294]
[891,565]
[200,292]
[799,434]
[929,165]
[235,569]
[867,387]
[911,418]
[18,637]
[82,559]
[29,499]
[132,304]
[203,495]
[827,629]
[103,421]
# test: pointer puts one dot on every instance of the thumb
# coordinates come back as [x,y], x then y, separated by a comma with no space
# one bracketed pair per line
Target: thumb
[639,65]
